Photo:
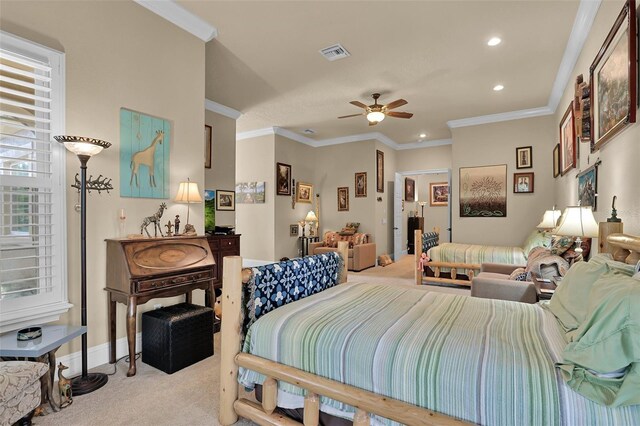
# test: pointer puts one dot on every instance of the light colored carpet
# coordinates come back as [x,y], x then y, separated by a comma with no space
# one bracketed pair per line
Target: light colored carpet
[189,396]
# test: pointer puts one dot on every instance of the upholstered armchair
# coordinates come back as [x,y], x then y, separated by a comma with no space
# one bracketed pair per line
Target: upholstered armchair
[493,282]
[362,253]
[20,390]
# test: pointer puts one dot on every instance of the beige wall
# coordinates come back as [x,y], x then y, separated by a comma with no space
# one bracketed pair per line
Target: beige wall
[118,54]
[438,157]
[619,173]
[300,158]
[255,161]
[496,144]
[222,174]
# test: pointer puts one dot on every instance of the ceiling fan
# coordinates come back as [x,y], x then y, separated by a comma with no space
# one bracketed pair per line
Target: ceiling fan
[376,113]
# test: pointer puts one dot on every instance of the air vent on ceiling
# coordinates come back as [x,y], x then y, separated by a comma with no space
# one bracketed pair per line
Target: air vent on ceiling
[335,52]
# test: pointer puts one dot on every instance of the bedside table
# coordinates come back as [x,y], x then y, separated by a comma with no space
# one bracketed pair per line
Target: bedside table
[544,288]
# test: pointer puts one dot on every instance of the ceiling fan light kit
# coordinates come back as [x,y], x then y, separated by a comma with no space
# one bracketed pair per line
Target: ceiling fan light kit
[376,113]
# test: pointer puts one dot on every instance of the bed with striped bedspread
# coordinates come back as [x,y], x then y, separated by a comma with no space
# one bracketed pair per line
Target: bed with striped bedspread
[476,253]
[486,361]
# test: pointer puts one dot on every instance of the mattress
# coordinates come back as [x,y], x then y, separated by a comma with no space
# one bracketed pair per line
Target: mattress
[486,361]
[476,253]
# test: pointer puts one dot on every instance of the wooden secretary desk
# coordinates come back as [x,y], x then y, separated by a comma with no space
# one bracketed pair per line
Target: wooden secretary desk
[139,270]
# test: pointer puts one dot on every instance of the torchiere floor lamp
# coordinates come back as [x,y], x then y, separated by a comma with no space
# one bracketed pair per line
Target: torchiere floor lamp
[84,148]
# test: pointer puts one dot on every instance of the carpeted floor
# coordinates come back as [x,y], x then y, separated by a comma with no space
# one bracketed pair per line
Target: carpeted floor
[189,396]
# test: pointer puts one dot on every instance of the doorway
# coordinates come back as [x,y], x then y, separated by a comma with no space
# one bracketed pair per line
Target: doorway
[399,219]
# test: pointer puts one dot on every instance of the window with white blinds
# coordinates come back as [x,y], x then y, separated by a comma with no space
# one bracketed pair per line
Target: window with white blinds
[32,212]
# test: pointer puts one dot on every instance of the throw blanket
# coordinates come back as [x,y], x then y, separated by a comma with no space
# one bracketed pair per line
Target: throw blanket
[474,253]
[486,361]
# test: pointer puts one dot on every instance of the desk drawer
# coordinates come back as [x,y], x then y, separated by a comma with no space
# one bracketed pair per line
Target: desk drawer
[228,243]
[174,280]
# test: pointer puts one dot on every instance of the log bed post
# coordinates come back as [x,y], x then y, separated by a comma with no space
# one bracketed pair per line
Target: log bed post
[343,250]
[231,329]
[417,250]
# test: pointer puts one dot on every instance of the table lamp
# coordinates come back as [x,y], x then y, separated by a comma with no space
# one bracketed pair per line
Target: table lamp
[188,193]
[311,219]
[550,219]
[578,222]
[84,148]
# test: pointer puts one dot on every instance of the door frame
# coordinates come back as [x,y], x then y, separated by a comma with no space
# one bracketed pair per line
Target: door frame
[398,224]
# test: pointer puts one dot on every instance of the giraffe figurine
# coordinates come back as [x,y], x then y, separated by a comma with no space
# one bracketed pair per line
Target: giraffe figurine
[155,219]
[146,157]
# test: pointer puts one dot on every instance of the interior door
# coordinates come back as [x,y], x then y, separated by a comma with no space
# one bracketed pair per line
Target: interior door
[397,217]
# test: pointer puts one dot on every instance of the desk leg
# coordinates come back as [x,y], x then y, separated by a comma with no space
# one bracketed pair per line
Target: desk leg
[187,297]
[132,309]
[209,297]
[112,330]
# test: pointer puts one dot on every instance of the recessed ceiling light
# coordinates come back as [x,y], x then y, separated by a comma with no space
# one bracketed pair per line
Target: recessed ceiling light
[494,41]
[423,135]
[498,87]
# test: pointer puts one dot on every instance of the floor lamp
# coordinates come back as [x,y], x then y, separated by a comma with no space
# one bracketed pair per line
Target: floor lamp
[84,148]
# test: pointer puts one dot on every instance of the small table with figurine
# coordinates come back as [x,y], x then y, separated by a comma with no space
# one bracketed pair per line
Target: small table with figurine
[545,288]
[304,244]
[42,349]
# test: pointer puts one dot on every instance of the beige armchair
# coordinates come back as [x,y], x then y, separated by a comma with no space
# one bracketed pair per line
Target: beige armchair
[361,256]
[20,390]
[493,283]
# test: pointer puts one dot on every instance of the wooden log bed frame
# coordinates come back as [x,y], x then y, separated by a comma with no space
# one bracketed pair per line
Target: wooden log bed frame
[454,266]
[625,248]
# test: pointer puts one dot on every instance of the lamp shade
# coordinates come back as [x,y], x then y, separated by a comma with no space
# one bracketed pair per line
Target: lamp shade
[550,219]
[311,217]
[578,221]
[80,145]
[189,193]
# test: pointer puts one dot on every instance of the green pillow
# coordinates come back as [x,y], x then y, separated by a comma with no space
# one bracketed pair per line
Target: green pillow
[536,239]
[608,340]
[613,265]
[569,302]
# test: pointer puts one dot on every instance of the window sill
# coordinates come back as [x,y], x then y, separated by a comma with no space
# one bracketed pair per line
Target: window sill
[33,315]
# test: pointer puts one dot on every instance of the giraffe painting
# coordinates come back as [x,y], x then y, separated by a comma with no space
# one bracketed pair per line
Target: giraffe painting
[144,155]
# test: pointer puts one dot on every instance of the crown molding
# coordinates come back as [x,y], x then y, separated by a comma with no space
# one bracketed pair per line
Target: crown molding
[221,109]
[503,116]
[587,11]
[377,136]
[178,15]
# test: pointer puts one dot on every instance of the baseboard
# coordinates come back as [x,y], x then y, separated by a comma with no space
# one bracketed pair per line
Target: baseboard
[96,356]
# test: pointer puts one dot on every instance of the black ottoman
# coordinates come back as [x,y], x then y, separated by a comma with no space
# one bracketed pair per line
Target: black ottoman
[174,337]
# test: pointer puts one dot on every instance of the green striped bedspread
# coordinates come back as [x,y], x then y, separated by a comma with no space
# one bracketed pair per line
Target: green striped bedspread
[475,253]
[486,361]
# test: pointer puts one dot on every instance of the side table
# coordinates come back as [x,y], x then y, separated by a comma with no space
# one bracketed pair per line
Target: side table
[544,288]
[42,349]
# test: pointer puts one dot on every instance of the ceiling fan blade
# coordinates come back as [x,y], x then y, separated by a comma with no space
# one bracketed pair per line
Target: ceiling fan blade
[358,104]
[400,114]
[395,104]
[352,115]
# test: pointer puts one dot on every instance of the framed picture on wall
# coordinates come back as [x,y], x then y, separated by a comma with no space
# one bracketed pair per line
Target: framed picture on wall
[438,194]
[523,183]
[379,171]
[483,191]
[567,141]
[283,179]
[293,230]
[343,199]
[361,184]
[207,146]
[225,200]
[588,187]
[556,160]
[614,79]
[524,159]
[304,192]
[409,189]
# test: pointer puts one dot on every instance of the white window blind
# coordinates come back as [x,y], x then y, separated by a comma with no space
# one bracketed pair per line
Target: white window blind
[32,213]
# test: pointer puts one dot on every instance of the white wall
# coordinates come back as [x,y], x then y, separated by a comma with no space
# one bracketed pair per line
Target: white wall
[118,54]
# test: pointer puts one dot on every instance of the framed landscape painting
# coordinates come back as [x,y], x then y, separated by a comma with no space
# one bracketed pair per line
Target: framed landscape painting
[588,187]
[483,191]
[225,200]
[613,76]
[438,194]
[567,141]
[209,210]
